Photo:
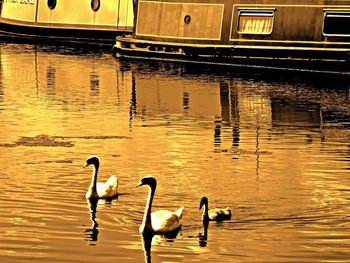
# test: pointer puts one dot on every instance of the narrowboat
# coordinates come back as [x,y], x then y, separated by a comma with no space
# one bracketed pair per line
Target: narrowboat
[308,35]
[82,22]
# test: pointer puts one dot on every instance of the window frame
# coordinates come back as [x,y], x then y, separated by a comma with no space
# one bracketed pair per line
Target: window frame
[257,13]
[331,13]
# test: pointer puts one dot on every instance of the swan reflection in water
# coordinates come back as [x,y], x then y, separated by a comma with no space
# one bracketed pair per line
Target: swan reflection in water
[91,234]
[147,244]
[149,239]
[203,237]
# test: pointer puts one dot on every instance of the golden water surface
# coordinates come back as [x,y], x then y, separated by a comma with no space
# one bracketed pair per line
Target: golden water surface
[276,150]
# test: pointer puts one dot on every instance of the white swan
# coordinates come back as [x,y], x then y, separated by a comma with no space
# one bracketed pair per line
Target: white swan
[105,190]
[161,222]
[215,214]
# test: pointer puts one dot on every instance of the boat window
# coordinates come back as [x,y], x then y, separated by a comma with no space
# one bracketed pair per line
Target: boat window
[336,23]
[255,22]
[95,5]
[51,4]
[187,19]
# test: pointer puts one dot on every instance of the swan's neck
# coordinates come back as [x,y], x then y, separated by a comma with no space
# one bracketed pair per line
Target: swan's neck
[205,215]
[93,183]
[147,222]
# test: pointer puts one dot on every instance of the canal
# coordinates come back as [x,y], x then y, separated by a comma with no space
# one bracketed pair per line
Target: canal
[274,147]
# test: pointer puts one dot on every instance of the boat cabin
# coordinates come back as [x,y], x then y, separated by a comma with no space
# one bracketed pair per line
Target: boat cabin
[242,32]
[95,22]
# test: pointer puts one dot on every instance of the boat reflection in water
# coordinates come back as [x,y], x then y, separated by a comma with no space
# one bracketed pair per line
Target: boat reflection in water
[237,111]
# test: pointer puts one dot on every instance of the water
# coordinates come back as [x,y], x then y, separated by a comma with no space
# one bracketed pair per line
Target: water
[274,148]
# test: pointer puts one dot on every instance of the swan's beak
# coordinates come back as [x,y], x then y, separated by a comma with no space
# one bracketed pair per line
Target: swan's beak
[140,184]
[86,164]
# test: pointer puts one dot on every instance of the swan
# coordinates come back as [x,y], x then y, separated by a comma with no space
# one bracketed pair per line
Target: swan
[109,189]
[161,222]
[215,214]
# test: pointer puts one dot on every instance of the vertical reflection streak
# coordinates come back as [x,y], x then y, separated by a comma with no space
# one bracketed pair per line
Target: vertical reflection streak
[133,102]
[36,70]
[225,116]
[1,82]
[94,84]
[50,80]
[235,117]
[257,148]
[186,102]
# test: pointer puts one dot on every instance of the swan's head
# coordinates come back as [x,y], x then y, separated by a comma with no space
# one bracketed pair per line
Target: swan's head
[148,180]
[92,160]
[204,201]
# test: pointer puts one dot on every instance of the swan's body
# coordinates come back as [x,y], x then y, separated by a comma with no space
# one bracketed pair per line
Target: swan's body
[166,221]
[109,189]
[162,221]
[215,214]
